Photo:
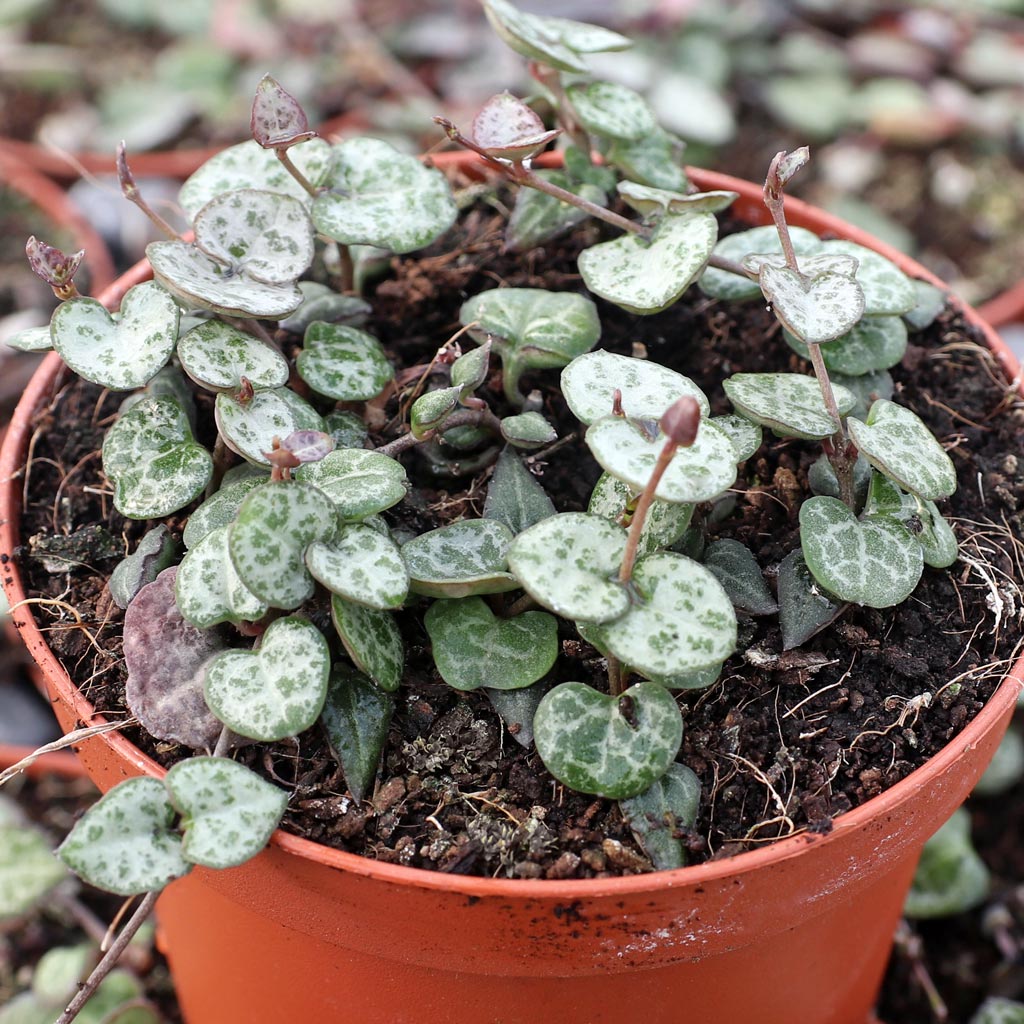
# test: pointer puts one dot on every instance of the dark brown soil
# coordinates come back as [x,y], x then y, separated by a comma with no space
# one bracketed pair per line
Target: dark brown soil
[782,743]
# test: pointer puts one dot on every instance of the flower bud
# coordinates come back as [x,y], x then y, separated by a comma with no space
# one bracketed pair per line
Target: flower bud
[681,421]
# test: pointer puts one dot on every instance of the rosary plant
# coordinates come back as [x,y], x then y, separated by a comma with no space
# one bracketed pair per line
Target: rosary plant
[291,504]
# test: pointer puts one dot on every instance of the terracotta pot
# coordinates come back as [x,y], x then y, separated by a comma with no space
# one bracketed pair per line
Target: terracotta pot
[795,933]
[39,190]
[1005,308]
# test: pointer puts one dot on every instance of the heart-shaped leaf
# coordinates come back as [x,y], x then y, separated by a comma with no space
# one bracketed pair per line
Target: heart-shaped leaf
[887,290]
[533,36]
[721,284]
[655,202]
[359,482]
[929,303]
[812,266]
[646,277]
[646,389]
[804,608]
[249,427]
[473,648]
[611,110]
[655,815]
[347,429]
[538,217]
[155,552]
[276,690]
[461,559]
[250,246]
[28,870]
[56,978]
[169,382]
[217,356]
[682,621]
[615,747]
[517,708]
[164,656]
[746,436]
[815,309]
[515,496]
[372,640]
[362,565]
[528,430]
[248,166]
[655,160]
[39,339]
[209,590]
[221,508]
[531,328]
[269,537]
[124,842]
[378,196]
[569,562]
[356,717]
[119,354]
[697,473]
[898,444]
[874,562]
[228,811]
[154,464]
[787,403]
[666,521]
[509,130]
[343,363]
[737,570]
[876,343]
[921,518]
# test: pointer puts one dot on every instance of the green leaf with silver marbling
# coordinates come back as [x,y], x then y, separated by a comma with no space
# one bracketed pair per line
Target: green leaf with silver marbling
[515,496]
[157,550]
[722,284]
[276,690]
[568,563]
[268,540]
[647,388]
[875,343]
[123,353]
[429,411]
[28,870]
[209,590]
[343,363]
[697,473]
[815,309]
[249,428]
[929,303]
[359,482]
[461,559]
[249,166]
[39,339]
[217,356]
[531,328]
[873,562]
[221,508]
[528,430]
[654,160]
[356,717]
[372,640]
[887,290]
[867,389]
[228,811]
[538,217]
[645,276]
[531,36]
[361,565]
[998,1010]
[681,619]
[378,196]
[319,302]
[654,815]
[615,747]
[656,202]
[737,570]
[922,519]
[898,444]
[125,842]
[155,465]
[789,404]
[666,521]
[611,110]
[470,369]
[473,648]
[746,436]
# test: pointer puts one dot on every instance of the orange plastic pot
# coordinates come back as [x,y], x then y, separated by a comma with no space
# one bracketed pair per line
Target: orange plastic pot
[795,933]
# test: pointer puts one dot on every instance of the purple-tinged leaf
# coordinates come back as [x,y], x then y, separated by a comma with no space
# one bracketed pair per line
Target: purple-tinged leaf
[52,265]
[506,128]
[308,445]
[278,120]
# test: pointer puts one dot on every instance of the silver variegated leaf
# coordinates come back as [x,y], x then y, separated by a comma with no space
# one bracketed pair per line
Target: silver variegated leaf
[666,521]
[721,284]
[359,482]
[217,356]
[815,309]
[654,816]
[875,343]
[249,428]
[611,110]
[372,640]
[361,565]
[887,290]
[787,403]
[461,559]
[343,363]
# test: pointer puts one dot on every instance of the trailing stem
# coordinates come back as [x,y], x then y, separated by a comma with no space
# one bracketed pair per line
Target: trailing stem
[286,161]
[463,418]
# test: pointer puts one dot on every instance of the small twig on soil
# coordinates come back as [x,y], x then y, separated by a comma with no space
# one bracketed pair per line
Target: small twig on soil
[908,942]
[110,959]
[52,602]
[78,736]
[783,818]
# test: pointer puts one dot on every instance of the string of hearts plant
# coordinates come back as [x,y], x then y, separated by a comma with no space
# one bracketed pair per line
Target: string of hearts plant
[220,643]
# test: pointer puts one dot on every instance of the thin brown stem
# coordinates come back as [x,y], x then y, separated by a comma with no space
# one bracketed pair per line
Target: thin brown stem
[110,959]
[775,200]
[614,675]
[222,459]
[520,605]
[463,418]
[347,267]
[223,743]
[286,160]
[731,266]
[642,507]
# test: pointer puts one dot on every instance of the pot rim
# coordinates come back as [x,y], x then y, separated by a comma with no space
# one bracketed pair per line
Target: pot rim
[886,803]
